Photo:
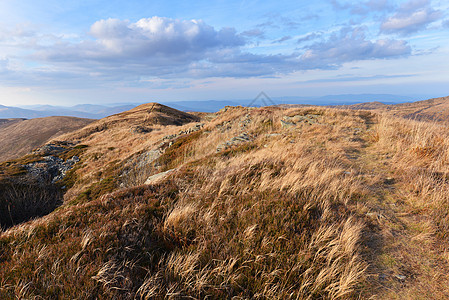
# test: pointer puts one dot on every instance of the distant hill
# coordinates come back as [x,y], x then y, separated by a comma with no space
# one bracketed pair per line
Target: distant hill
[88,111]
[141,119]
[20,136]
[346,99]
[436,109]
[6,122]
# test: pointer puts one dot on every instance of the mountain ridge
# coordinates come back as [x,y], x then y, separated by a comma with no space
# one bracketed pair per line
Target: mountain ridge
[268,202]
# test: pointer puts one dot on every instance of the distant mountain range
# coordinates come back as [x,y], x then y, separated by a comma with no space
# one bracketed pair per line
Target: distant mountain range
[92,111]
[89,111]
[264,100]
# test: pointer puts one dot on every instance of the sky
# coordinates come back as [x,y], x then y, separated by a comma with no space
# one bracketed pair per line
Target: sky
[96,51]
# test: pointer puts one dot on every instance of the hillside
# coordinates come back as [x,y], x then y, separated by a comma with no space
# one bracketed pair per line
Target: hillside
[436,109]
[263,203]
[19,136]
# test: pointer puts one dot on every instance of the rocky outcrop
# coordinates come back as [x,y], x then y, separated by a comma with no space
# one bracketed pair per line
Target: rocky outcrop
[158,177]
[50,168]
[290,121]
[237,140]
[195,128]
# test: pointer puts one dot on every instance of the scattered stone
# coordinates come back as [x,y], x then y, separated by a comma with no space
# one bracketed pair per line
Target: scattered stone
[158,177]
[169,137]
[237,140]
[224,126]
[195,128]
[245,122]
[400,277]
[389,180]
[286,124]
[290,121]
[51,168]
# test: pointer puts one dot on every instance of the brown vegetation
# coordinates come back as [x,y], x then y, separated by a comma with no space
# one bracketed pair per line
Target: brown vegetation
[333,204]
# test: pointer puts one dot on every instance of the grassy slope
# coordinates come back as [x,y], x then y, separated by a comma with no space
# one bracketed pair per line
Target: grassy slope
[436,109]
[21,136]
[342,208]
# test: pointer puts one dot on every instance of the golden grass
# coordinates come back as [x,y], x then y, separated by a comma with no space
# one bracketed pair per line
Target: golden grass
[287,215]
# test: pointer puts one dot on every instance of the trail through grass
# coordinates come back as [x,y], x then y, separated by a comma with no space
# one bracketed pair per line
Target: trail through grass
[402,246]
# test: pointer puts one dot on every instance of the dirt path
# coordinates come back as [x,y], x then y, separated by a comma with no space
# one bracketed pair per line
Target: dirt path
[400,243]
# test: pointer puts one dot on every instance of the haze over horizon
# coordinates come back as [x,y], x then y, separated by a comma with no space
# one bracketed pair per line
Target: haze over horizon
[71,52]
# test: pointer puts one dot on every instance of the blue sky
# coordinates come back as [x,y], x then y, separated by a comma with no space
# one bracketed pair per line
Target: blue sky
[69,52]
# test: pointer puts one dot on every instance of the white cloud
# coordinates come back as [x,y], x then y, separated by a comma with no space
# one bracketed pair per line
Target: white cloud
[123,51]
[351,45]
[159,36]
[411,17]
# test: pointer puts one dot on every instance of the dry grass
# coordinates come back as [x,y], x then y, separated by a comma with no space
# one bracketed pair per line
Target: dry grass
[289,214]
[420,156]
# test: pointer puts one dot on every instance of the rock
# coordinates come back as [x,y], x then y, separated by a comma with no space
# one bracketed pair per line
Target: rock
[224,126]
[245,122]
[286,124]
[51,168]
[147,158]
[158,177]
[389,180]
[400,277]
[290,121]
[169,137]
[237,140]
[195,128]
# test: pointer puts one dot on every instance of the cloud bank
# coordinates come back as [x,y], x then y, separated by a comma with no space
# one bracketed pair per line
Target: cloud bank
[193,49]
